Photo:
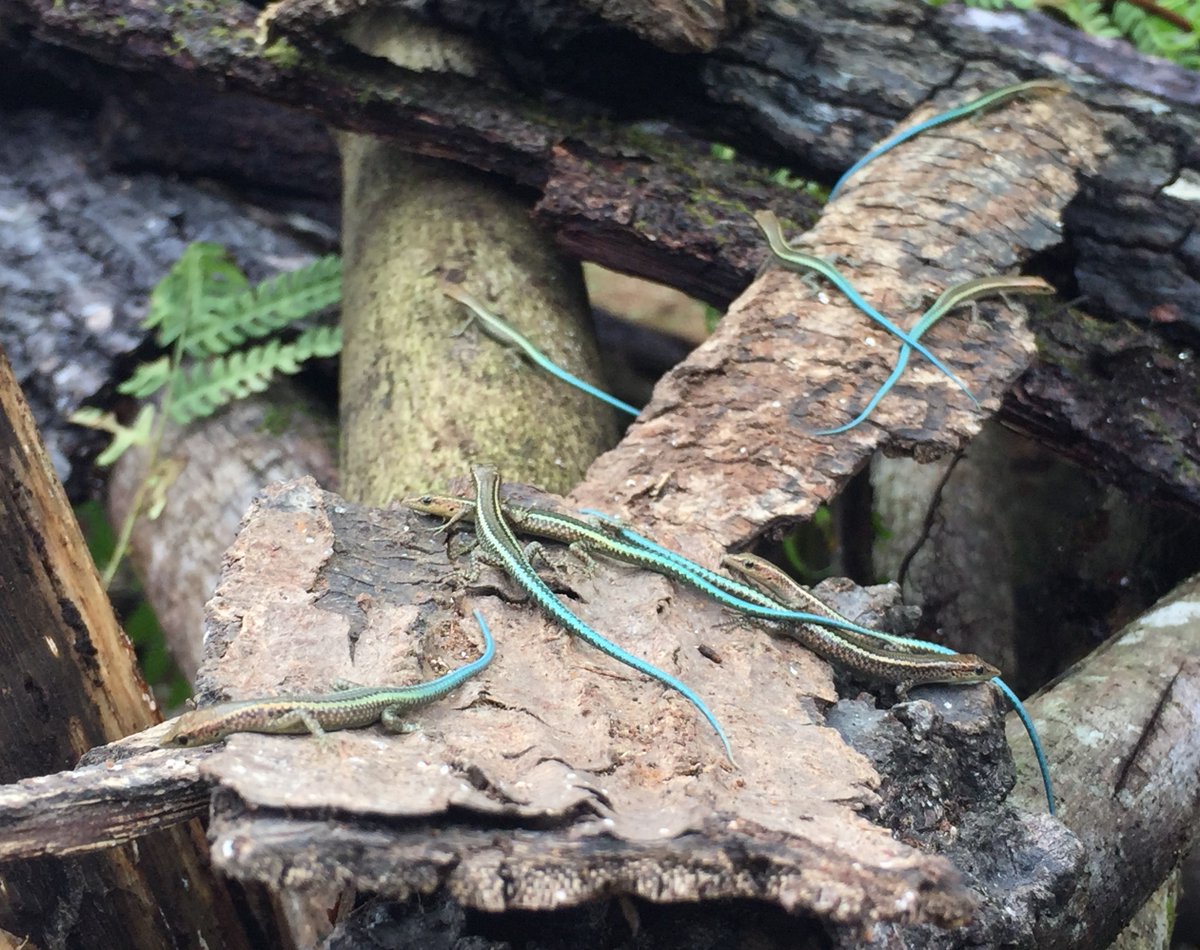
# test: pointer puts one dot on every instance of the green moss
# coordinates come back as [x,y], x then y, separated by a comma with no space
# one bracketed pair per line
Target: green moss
[700,211]
[1186,470]
[277,419]
[1154,422]
[282,54]
[712,316]
[711,207]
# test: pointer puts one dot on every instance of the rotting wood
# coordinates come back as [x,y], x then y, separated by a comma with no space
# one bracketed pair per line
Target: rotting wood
[625,206]
[71,683]
[1130,432]
[445,115]
[551,736]
[1123,724]
[724,451]
[628,792]
[1146,786]
[98,806]
[566,775]
[763,89]
[677,26]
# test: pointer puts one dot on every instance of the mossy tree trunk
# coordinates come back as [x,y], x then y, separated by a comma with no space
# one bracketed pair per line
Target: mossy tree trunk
[419,399]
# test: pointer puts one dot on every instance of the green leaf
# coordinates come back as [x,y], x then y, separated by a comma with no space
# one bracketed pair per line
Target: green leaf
[268,307]
[140,433]
[198,286]
[203,389]
[712,316]
[147,379]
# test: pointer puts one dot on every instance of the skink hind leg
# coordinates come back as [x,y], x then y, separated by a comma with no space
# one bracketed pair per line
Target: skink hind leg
[393,720]
[579,550]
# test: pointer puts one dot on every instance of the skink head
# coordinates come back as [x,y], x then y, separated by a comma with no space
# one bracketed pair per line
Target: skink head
[213,723]
[440,506]
[198,727]
[958,669]
[974,669]
[762,574]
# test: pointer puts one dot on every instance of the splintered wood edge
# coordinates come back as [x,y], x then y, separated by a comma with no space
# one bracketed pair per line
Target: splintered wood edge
[522,869]
[129,789]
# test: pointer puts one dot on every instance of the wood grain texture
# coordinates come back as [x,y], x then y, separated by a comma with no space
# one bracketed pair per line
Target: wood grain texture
[72,682]
[1124,723]
[723,451]
[101,805]
[604,781]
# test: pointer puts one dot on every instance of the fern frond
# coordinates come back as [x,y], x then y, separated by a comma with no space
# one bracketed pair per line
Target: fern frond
[158,482]
[206,387]
[123,437]
[1154,35]
[1146,31]
[147,379]
[1090,16]
[260,311]
[198,285]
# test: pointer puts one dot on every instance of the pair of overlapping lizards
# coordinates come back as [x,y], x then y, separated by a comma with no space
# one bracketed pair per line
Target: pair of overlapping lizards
[764,592]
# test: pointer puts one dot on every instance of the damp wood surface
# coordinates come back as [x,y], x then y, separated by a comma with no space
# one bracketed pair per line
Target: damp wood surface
[563,774]
[604,779]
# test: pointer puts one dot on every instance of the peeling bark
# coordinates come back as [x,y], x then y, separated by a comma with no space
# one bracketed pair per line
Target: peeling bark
[724,451]
[622,775]
[557,776]
[609,789]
